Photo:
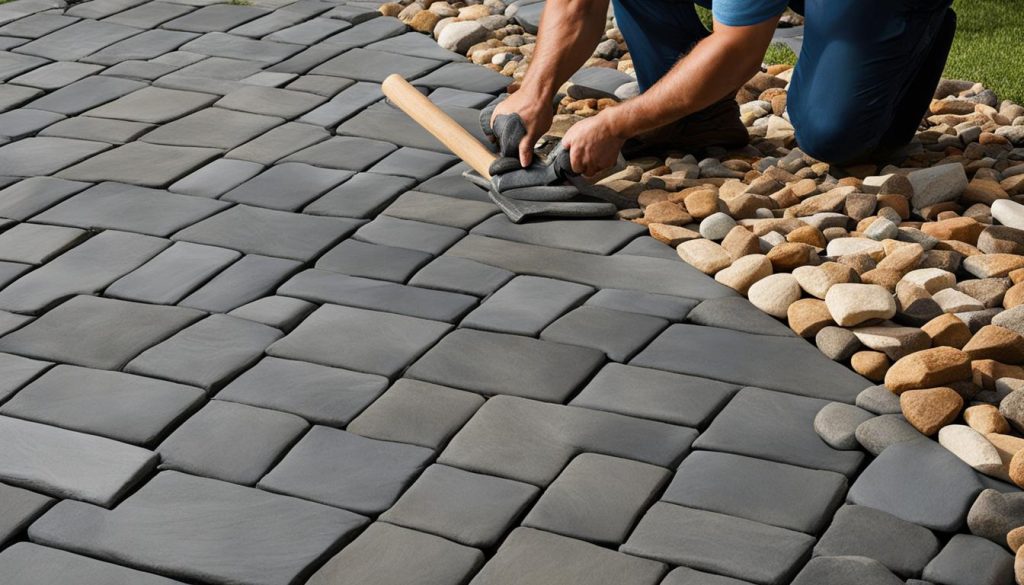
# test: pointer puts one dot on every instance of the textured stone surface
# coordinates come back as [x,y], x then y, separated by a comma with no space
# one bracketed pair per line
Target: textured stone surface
[250,535]
[418,413]
[970,559]
[526,305]
[343,469]
[846,570]
[720,544]
[557,559]
[31,564]
[18,508]
[946,487]
[68,464]
[904,548]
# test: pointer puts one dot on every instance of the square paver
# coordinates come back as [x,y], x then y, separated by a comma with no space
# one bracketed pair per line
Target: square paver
[119,406]
[154,105]
[283,313]
[904,548]
[67,464]
[360,340]
[343,152]
[526,305]
[342,469]
[248,279]
[391,554]
[459,275]
[31,243]
[270,101]
[208,353]
[778,427]
[40,564]
[287,186]
[618,334]
[78,40]
[212,128]
[373,261]
[720,544]
[362,196]
[18,508]
[632,301]
[217,178]
[97,129]
[217,17]
[229,441]
[597,498]
[45,156]
[279,142]
[119,206]
[140,163]
[96,332]
[370,65]
[494,363]
[773,493]
[656,395]
[441,210]
[249,535]
[596,236]
[556,559]
[172,274]
[418,413]
[150,14]
[143,46]
[269,232]
[472,509]
[320,394]
[84,94]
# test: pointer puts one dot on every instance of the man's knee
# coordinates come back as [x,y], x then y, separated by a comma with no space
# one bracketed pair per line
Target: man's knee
[834,140]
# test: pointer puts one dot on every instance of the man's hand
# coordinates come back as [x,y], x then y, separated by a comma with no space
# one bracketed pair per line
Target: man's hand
[593,144]
[536,115]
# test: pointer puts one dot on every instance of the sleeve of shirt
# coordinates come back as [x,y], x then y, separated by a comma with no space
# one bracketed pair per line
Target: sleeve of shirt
[746,12]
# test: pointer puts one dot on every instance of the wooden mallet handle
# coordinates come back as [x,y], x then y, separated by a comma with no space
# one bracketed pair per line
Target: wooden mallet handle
[440,125]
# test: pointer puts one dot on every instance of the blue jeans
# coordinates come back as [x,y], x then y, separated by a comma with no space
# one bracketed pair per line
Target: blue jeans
[864,78]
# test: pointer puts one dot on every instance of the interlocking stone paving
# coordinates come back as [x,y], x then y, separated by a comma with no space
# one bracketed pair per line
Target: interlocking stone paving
[256,328]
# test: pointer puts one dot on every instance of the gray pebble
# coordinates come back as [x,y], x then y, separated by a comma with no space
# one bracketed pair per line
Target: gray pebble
[882,431]
[879,400]
[837,424]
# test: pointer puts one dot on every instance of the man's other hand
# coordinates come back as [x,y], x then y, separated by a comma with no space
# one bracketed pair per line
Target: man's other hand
[536,115]
[593,144]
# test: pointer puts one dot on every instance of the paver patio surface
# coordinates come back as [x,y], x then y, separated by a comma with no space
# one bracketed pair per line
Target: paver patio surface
[256,329]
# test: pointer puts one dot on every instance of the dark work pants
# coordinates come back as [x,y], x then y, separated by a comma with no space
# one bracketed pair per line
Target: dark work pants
[865,74]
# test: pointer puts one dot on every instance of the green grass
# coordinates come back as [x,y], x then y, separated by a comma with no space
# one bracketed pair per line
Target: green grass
[987,48]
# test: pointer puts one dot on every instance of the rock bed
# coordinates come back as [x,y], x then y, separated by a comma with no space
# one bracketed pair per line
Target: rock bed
[913,275]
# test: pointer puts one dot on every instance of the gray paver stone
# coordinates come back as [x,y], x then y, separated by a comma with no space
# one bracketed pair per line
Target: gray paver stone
[374,66]
[664,306]
[971,560]
[619,335]
[287,186]
[78,40]
[469,508]
[217,178]
[460,275]
[146,45]
[582,235]
[737,314]
[140,163]
[418,413]
[31,243]
[342,469]
[45,156]
[231,129]
[153,105]
[279,142]
[217,17]
[364,195]
[97,129]
[903,547]
[270,101]
[878,433]
[79,96]
[846,570]
[18,508]
[231,442]
[246,280]
[172,274]
[320,394]
[40,565]
[343,152]
[526,305]
[282,313]
[426,207]
[249,536]
[389,263]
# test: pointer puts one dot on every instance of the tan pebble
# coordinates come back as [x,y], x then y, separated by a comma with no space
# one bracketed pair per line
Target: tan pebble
[650,196]
[930,368]
[993,265]
[947,330]
[390,8]
[704,255]
[896,202]
[744,272]
[852,304]
[740,242]
[808,316]
[1014,297]
[666,212]
[859,263]
[961,229]
[774,294]
[873,365]
[985,419]
[785,257]
[1014,539]
[993,342]
[807,234]
[885,278]
[984,373]
[1017,276]
[1007,445]
[930,409]
[903,258]
[701,203]
[672,235]
[424,21]
[1016,473]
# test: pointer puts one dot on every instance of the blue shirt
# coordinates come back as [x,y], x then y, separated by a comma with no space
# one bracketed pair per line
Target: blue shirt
[746,12]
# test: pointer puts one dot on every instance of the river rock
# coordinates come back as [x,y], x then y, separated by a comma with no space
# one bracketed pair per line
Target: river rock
[937,184]
[954,301]
[716,226]
[1009,213]
[837,343]
[972,448]
[836,423]
[993,342]
[807,317]
[985,419]
[744,272]
[852,304]
[460,36]
[879,400]
[932,279]
[873,365]
[995,514]
[931,409]
[992,265]
[877,433]
[774,294]
[928,369]
[893,341]
[947,330]
[1012,409]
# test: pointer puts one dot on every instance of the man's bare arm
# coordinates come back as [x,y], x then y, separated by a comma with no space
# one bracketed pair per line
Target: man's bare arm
[569,31]
[714,69]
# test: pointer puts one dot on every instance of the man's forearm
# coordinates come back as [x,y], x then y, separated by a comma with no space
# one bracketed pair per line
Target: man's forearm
[714,69]
[569,31]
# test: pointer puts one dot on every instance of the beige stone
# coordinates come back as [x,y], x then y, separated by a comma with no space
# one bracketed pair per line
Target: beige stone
[932,279]
[807,317]
[774,294]
[807,234]
[741,242]
[847,246]
[1016,473]
[985,419]
[971,447]
[993,265]
[928,369]
[852,304]
[816,280]
[902,259]
[704,255]
[993,342]
[928,410]
[701,203]
[744,272]
[961,229]
[873,365]
[1014,539]
[672,235]
[788,256]
[893,340]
